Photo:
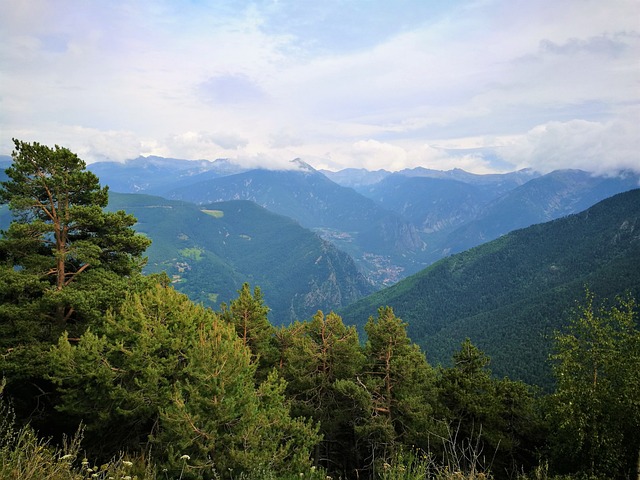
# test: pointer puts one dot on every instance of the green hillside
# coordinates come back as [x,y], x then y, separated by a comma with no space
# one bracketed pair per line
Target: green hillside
[209,251]
[510,294]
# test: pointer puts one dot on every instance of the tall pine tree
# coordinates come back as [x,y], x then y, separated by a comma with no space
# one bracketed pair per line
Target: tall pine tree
[399,385]
[248,314]
[63,262]
[321,360]
[60,233]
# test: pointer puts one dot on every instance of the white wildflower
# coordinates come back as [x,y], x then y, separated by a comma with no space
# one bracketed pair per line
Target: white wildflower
[185,457]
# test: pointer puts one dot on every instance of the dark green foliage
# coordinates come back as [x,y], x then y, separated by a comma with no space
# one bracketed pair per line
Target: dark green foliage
[508,295]
[497,417]
[400,393]
[321,359]
[60,232]
[63,262]
[164,371]
[595,409]
[248,314]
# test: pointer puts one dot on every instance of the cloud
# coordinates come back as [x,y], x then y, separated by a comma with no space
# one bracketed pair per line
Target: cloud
[90,144]
[600,45]
[375,155]
[599,147]
[382,85]
[229,89]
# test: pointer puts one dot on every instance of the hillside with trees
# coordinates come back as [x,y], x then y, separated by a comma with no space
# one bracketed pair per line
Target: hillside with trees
[509,295]
[110,373]
[211,250]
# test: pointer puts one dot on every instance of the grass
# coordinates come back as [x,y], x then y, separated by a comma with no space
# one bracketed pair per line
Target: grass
[26,456]
[214,213]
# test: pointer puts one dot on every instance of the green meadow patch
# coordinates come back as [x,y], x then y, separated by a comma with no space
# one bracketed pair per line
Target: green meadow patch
[214,213]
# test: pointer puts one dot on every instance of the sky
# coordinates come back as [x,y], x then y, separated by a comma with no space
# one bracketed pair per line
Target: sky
[482,85]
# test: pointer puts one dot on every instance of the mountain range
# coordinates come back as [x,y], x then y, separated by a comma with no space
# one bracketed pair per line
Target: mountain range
[393,224]
[209,251]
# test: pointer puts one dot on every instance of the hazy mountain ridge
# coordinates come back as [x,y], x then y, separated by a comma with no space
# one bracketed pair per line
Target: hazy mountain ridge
[510,294]
[430,204]
[154,174]
[356,178]
[551,196]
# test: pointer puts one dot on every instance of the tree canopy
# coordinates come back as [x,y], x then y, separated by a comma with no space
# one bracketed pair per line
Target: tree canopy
[64,261]
[60,231]
[596,412]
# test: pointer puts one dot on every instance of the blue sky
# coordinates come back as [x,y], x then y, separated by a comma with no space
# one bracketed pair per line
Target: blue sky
[486,85]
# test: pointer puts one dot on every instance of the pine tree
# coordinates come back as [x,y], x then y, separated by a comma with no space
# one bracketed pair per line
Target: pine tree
[60,231]
[63,262]
[323,358]
[490,422]
[248,314]
[164,370]
[399,384]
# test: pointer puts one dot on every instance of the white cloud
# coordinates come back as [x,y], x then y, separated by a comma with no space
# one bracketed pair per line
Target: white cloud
[599,147]
[344,85]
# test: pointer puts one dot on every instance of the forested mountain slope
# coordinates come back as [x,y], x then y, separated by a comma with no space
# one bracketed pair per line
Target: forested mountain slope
[210,251]
[542,199]
[510,294]
[382,242]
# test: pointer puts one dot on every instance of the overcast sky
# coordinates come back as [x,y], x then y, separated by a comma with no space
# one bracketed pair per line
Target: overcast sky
[486,85]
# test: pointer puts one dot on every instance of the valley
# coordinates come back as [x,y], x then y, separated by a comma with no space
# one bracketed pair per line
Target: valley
[393,224]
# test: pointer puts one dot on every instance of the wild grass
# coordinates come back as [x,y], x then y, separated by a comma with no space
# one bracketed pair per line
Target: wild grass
[26,456]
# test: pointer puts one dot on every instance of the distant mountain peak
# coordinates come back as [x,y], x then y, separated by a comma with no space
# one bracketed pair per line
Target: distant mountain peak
[302,165]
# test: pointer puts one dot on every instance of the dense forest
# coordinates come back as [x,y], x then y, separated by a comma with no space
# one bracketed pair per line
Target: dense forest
[510,294]
[109,373]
